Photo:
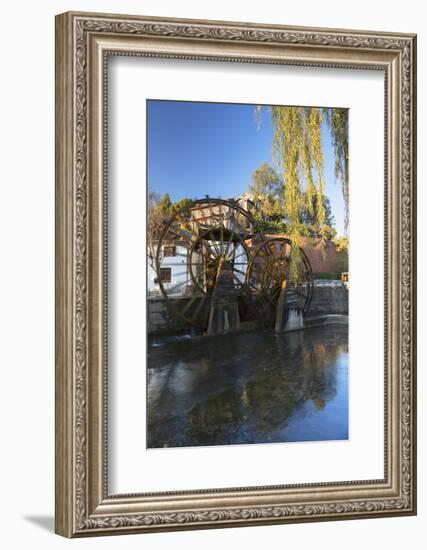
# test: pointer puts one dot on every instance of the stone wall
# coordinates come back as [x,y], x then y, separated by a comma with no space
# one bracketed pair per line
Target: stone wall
[161,319]
[329,300]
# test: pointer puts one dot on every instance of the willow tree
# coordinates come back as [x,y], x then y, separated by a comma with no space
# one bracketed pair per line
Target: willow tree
[337,120]
[297,148]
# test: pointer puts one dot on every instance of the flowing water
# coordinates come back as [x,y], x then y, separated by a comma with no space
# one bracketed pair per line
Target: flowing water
[251,387]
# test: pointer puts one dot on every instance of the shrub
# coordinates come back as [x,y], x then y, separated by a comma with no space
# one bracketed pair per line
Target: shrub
[325,275]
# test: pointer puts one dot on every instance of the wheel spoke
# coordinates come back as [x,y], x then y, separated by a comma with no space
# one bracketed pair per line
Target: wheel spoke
[250,283]
[239,271]
[218,253]
[198,308]
[190,303]
[173,287]
[211,251]
[265,296]
[230,240]
[241,283]
[261,303]
[244,253]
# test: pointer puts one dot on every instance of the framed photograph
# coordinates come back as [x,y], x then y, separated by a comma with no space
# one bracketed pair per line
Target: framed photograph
[235,274]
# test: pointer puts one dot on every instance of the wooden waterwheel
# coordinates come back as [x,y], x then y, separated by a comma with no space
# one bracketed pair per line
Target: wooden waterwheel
[212,236]
[269,270]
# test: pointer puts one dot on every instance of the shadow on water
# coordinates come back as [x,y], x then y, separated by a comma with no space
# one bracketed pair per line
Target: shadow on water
[253,387]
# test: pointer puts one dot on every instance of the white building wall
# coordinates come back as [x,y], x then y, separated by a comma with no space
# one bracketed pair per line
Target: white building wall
[180,276]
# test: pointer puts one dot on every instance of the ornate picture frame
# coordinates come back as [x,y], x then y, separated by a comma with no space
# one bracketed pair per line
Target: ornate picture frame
[84,42]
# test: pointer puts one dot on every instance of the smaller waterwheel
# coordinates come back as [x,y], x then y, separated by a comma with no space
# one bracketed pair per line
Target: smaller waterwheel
[269,270]
[210,238]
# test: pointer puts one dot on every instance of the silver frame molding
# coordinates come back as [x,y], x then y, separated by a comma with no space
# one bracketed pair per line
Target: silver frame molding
[83,43]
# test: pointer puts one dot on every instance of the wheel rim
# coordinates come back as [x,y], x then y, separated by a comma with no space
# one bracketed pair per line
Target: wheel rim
[269,267]
[211,229]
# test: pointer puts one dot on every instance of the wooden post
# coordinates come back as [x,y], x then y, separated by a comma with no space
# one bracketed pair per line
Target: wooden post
[280,308]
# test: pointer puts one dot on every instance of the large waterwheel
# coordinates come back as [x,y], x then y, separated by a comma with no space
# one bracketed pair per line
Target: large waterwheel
[269,272]
[213,236]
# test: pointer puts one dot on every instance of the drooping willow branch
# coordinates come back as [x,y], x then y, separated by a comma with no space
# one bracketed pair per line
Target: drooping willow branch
[297,148]
[337,120]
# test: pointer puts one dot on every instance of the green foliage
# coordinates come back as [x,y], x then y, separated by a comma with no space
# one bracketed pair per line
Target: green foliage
[297,147]
[326,232]
[266,182]
[341,244]
[342,262]
[266,188]
[309,210]
[337,120]
[270,226]
[181,204]
[329,276]
[269,208]
[305,230]
[163,207]
[309,218]
[298,150]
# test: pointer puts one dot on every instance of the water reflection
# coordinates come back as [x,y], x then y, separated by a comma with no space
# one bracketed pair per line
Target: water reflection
[248,388]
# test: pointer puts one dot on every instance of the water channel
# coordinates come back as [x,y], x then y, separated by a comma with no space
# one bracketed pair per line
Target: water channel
[249,387]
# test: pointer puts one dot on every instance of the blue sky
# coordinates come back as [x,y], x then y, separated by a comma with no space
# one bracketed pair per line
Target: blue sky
[197,149]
